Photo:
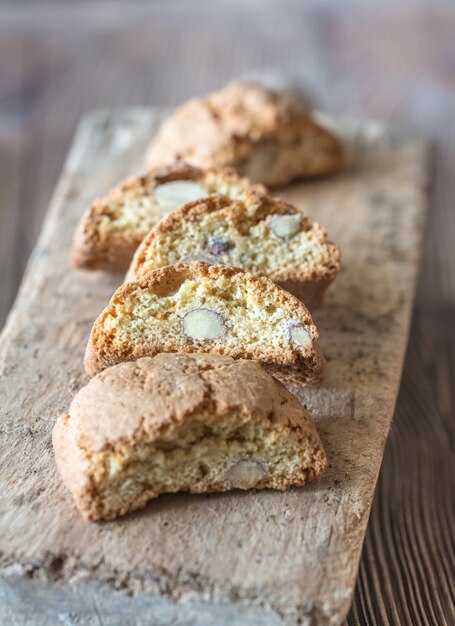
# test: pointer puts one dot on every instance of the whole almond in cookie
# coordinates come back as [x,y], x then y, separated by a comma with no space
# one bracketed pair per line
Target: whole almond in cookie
[286,226]
[170,195]
[203,324]
[217,245]
[245,473]
[299,335]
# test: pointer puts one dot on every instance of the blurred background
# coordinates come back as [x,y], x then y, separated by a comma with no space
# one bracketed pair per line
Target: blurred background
[388,59]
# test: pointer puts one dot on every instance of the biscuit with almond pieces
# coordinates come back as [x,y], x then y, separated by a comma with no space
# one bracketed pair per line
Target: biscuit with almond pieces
[176,422]
[263,235]
[201,308]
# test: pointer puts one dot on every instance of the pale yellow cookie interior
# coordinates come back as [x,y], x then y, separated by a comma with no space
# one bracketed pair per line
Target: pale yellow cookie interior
[204,454]
[248,242]
[134,211]
[253,323]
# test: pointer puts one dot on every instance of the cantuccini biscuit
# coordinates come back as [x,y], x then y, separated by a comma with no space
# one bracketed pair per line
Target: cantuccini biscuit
[262,235]
[195,308]
[113,226]
[265,135]
[176,422]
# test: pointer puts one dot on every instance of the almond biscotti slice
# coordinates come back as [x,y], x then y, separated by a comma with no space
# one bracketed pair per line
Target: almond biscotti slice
[263,235]
[176,422]
[113,226]
[262,133]
[196,307]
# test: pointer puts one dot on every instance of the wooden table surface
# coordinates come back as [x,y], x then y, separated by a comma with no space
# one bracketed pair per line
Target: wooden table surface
[390,60]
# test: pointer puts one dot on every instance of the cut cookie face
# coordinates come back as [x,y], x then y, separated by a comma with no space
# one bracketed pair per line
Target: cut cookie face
[265,135]
[201,308]
[113,226]
[175,422]
[261,235]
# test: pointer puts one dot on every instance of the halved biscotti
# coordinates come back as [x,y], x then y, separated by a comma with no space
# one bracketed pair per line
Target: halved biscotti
[264,134]
[262,235]
[196,307]
[113,226]
[176,422]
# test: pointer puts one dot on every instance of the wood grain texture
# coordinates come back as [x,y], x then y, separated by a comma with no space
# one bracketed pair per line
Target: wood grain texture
[272,558]
[386,59]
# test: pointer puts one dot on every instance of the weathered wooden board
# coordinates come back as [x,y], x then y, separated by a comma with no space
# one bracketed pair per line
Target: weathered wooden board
[259,558]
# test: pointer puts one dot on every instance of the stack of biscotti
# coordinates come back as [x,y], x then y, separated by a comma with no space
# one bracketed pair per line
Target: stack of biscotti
[183,397]
[173,211]
[113,226]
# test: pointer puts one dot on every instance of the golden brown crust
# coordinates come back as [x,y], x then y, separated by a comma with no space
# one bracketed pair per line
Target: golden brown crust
[254,129]
[96,249]
[72,463]
[300,368]
[132,403]
[308,287]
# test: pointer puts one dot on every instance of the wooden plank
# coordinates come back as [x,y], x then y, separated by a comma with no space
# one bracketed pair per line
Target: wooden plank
[382,61]
[242,558]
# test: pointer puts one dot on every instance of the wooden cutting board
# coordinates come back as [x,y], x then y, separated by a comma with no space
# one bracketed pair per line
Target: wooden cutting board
[259,558]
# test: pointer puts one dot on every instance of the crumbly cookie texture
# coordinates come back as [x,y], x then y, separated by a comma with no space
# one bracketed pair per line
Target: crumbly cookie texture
[263,134]
[262,235]
[113,226]
[201,308]
[177,422]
